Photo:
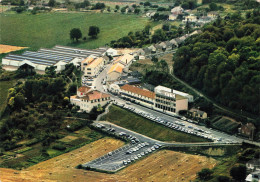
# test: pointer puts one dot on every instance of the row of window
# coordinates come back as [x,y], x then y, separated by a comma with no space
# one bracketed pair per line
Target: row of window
[165,97]
[98,100]
[165,108]
[165,102]
[138,95]
[137,98]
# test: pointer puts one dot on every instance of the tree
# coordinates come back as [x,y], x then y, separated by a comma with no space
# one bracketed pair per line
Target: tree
[213,6]
[75,33]
[51,3]
[147,4]
[50,71]
[99,108]
[93,31]
[154,59]
[238,172]
[137,11]
[205,174]
[223,179]
[123,10]
[117,7]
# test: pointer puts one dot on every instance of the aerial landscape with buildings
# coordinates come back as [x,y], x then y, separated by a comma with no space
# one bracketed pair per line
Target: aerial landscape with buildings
[129,90]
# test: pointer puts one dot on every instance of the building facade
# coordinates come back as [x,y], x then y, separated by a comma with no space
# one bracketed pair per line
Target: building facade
[163,99]
[87,98]
[168,102]
[138,95]
[93,68]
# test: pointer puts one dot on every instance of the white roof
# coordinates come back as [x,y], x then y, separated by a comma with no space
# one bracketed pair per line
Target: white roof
[165,89]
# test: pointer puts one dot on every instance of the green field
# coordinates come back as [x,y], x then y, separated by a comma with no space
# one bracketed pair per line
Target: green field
[146,127]
[50,29]
[4,86]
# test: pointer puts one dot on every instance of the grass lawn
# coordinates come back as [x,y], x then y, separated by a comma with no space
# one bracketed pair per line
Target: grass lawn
[146,127]
[4,86]
[50,29]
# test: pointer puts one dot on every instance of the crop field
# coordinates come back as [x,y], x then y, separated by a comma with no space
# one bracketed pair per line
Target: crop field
[146,127]
[8,48]
[164,165]
[30,153]
[49,29]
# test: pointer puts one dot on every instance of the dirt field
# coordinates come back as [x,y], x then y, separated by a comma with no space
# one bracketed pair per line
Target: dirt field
[8,48]
[164,165]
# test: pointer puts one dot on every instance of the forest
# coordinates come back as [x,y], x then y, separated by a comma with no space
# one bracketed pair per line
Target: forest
[224,61]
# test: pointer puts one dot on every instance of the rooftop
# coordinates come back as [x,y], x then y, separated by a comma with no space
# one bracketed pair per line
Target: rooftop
[84,89]
[138,91]
[95,63]
[116,68]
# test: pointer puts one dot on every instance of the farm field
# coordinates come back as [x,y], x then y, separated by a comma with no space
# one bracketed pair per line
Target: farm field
[50,29]
[164,165]
[30,153]
[8,48]
[4,86]
[146,127]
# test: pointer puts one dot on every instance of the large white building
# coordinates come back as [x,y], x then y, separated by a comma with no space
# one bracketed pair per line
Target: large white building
[169,102]
[138,95]
[186,95]
[87,98]
[163,99]
[58,56]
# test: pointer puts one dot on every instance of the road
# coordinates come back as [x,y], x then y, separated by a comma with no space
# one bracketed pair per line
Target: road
[144,146]
[171,119]
[215,134]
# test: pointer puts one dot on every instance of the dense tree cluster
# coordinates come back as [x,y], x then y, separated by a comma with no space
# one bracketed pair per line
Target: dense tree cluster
[36,108]
[223,61]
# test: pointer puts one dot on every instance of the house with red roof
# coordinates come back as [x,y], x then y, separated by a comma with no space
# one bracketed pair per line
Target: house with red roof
[87,98]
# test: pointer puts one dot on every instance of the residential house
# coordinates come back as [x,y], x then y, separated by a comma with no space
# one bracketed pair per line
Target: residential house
[87,98]
[177,10]
[190,18]
[253,165]
[213,14]
[115,72]
[138,95]
[111,52]
[152,48]
[173,43]
[172,17]
[253,177]
[163,46]
[147,51]
[196,113]
[126,59]
[247,130]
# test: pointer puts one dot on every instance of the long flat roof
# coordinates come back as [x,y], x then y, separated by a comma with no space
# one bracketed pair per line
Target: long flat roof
[33,61]
[48,56]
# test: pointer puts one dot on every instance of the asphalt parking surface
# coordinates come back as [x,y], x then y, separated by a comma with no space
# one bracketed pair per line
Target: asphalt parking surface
[121,157]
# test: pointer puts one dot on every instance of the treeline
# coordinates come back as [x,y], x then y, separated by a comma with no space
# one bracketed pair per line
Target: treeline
[240,4]
[224,62]
[144,37]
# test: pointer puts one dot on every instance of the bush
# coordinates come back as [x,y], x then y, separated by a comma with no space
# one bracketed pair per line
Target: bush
[223,179]
[205,174]
[59,147]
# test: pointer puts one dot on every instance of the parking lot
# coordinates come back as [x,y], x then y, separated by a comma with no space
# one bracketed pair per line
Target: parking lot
[139,147]
[184,125]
